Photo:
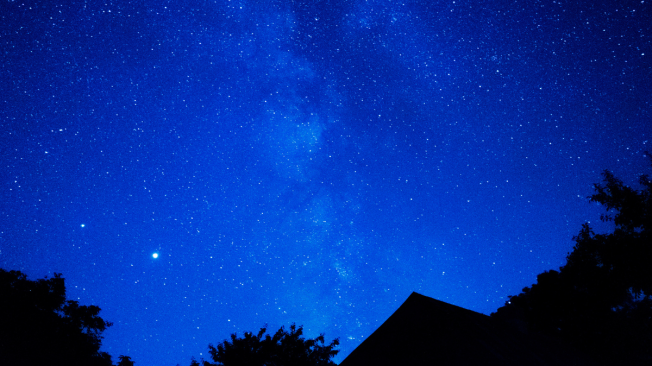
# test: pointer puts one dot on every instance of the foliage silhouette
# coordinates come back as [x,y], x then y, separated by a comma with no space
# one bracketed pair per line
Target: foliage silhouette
[287,348]
[601,299]
[125,361]
[39,327]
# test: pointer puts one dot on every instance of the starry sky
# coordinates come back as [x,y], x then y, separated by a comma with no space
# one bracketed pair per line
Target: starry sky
[307,161]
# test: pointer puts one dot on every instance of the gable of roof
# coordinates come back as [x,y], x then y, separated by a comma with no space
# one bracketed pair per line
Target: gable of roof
[425,331]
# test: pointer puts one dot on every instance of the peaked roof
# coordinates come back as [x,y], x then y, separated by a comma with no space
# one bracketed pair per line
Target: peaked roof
[425,331]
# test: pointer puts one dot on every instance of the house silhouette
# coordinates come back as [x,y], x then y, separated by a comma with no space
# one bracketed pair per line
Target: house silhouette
[425,331]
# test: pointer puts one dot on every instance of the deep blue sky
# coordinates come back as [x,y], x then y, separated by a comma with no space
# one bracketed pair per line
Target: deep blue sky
[308,162]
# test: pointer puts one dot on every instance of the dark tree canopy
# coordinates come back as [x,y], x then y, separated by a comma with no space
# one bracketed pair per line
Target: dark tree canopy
[286,348]
[125,361]
[39,327]
[601,299]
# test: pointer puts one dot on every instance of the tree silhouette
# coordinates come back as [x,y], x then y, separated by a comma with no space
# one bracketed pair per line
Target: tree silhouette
[287,348]
[125,361]
[601,299]
[39,327]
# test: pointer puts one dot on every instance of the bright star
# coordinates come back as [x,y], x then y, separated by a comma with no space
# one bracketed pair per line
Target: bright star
[83,225]
[155,255]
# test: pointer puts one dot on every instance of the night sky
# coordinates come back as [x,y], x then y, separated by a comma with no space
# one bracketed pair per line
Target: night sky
[308,161]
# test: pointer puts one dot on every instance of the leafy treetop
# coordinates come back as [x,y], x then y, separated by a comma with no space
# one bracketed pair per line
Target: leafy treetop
[287,348]
[601,299]
[39,327]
